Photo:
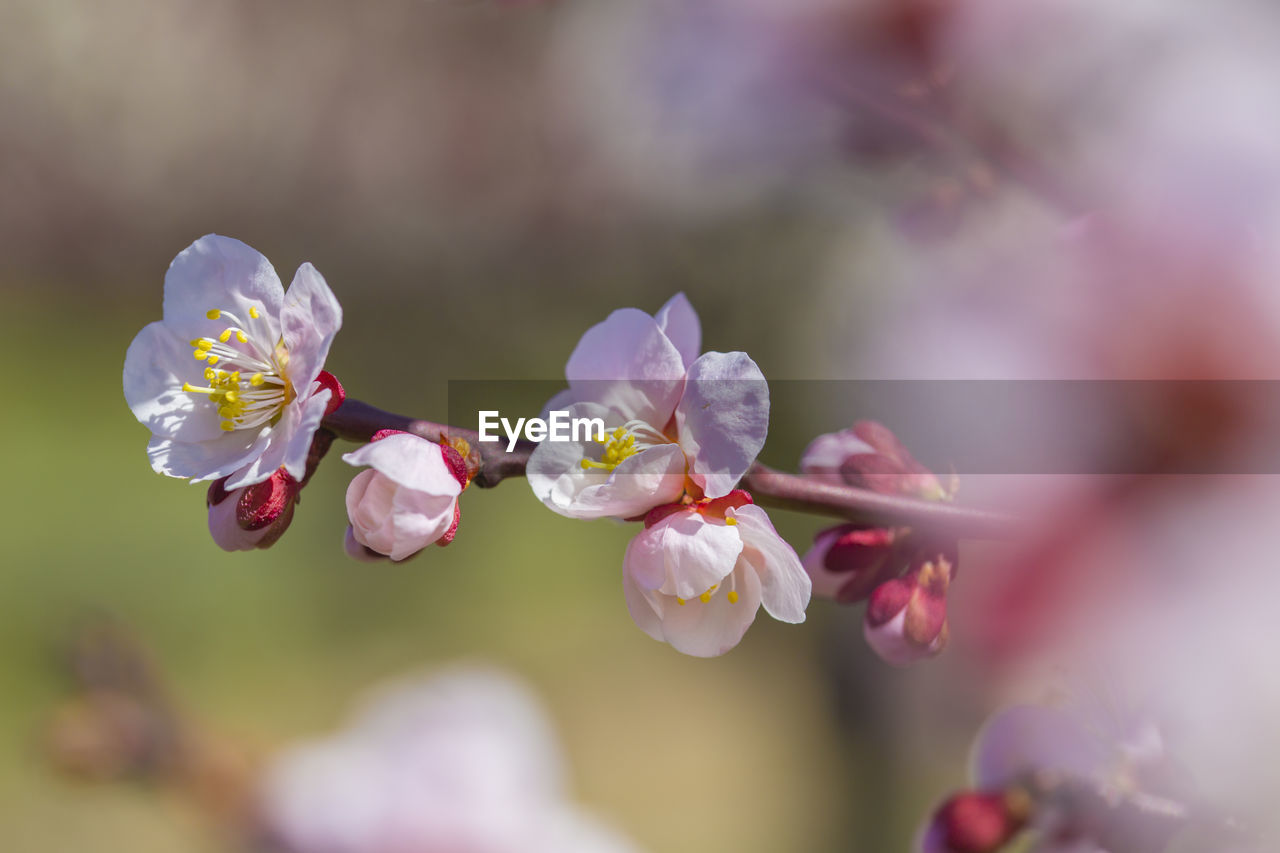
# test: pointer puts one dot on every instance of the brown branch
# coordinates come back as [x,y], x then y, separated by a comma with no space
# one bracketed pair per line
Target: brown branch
[357,421]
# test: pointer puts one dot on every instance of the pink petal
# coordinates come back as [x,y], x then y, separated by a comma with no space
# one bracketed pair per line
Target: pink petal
[722,419]
[679,322]
[309,319]
[784,586]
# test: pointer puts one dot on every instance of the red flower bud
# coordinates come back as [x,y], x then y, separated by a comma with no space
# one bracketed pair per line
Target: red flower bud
[906,618]
[977,822]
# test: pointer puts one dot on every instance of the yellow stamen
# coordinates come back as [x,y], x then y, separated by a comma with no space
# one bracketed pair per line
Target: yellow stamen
[256,379]
[213,313]
[732,596]
[705,597]
[227,426]
[253,311]
[213,359]
[731,521]
[226,335]
[681,602]
[242,337]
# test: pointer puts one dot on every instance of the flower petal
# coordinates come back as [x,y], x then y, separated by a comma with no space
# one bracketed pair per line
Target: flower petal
[155,367]
[679,322]
[628,363]
[219,272]
[784,586]
[200,461]
[645,606]
[712,628]
[723,419]
[409,461]
[309,319]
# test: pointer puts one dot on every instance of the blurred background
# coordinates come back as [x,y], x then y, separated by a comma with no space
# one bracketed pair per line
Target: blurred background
[844,189]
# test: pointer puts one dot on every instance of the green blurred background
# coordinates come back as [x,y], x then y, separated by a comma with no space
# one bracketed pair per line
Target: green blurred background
[420,156]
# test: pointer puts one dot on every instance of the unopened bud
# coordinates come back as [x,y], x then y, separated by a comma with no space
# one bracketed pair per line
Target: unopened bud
[868,455]
[253,516]
[846,562]
[906,617]
[977,822]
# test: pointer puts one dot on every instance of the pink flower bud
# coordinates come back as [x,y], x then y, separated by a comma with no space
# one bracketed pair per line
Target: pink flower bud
[252,516]
[976,822]
[906,617]
[409,497]
[868,455]
[847,561]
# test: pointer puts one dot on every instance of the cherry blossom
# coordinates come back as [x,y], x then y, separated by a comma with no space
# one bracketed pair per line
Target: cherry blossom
[675,421]
[697,574]
[227,380]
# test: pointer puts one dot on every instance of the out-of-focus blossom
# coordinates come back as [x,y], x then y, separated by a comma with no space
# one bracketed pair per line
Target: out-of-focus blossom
[407,500]
[697,574]
[906,619]
[228,382]
[1081,777]
[464,761]
[674,421]
[870,456]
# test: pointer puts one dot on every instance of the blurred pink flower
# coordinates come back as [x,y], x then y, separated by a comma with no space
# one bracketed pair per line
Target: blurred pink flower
[697,574]
[249,401]
[463,762]
[409,497]
[674,420]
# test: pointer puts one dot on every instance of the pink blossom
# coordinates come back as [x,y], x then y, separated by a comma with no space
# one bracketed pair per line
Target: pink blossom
[248,402]
[697,574]
[675,421]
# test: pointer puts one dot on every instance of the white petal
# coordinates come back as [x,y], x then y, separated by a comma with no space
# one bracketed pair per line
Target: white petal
[723,419]
[645,606]
[410,461]
[679,322]
[699,553]
[309,319]
[784,585]
[219,272]
[200,461]
[628,363]
[155,367]
[713,628]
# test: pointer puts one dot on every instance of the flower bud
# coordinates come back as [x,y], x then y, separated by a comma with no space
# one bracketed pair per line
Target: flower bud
[976,822]
[868,455]
[407,500]
[252,516]
[847,561]
[906,618]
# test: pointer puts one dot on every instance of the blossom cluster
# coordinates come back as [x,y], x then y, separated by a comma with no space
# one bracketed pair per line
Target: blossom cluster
[231,385]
